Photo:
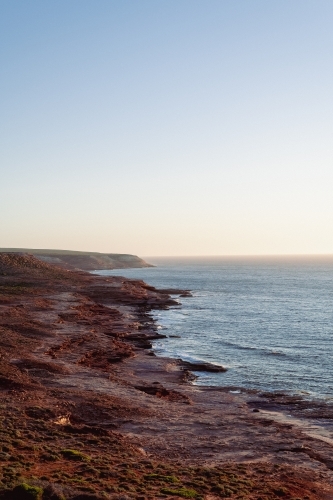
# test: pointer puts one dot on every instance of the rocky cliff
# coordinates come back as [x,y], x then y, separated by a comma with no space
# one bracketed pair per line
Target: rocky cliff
[86,261]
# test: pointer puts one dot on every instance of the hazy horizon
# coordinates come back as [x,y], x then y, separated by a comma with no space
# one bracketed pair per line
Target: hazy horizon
[176,127]
[245,259]
[198,258]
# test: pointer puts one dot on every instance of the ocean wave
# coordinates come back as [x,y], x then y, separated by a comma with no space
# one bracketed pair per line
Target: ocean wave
[163,350]
[264,350]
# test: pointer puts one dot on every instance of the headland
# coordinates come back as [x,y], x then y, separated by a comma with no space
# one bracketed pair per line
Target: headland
[84,261]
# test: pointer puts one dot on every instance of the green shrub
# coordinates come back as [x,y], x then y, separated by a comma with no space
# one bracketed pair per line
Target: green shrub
[181,492]
[74,455]
[24,491]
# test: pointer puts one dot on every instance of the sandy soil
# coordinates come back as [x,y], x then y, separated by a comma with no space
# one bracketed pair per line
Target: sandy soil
[87,410]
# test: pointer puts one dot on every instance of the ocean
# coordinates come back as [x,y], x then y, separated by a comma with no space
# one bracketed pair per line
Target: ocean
[268,321]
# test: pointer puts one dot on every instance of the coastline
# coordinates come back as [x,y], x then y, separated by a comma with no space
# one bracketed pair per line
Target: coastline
[314,415]
[270,325]
[89,384]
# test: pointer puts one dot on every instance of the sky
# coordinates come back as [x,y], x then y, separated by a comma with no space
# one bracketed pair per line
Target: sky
[167,127]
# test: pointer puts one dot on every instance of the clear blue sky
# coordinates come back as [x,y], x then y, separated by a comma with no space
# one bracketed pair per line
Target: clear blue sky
[167,127]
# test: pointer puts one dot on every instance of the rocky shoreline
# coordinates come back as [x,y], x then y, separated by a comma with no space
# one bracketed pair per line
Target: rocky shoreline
[88,412]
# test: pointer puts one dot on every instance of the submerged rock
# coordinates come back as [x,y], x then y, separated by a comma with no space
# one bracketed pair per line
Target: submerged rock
[202,367]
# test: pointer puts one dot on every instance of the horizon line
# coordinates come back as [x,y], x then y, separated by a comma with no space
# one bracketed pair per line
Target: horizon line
[239,255]
[181,256]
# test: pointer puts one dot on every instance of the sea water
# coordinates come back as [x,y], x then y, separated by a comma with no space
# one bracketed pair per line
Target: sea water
[269,322]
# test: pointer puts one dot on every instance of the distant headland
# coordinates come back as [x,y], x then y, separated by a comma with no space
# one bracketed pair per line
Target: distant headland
[85,261]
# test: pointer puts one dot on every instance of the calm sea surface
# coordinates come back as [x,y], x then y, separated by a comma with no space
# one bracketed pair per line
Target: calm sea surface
[270,323]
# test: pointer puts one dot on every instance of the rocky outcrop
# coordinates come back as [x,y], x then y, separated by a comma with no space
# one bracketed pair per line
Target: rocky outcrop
[201,366]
